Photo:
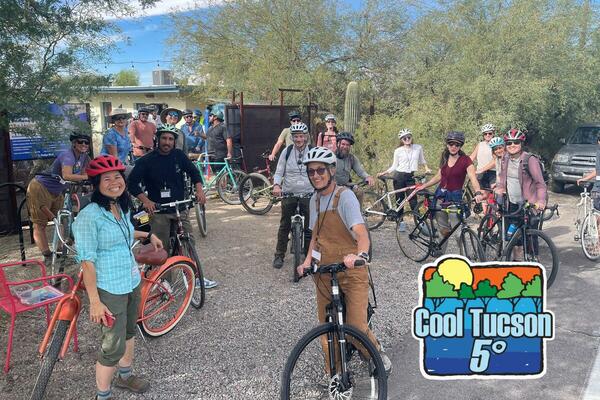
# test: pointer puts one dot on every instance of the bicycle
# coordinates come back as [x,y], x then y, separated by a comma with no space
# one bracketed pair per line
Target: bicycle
[377,208]
[297,229]
[355,373]
[182,244]
[418,240]
[256,189]
[166,293]
[226,180]
[586,223]
[537,246]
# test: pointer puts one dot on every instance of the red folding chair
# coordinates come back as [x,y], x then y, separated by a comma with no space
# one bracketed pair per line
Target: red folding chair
[12,305]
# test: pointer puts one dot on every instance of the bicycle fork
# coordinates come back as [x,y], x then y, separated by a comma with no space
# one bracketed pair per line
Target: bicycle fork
[338,320]
[68,309]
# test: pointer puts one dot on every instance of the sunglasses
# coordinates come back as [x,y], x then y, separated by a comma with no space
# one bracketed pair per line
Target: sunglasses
[407,138]
[188,116]
[173,113]
[296,120]
[313,171]
[142,114]
[513,142]
[83,142]
[497,148]
[120,117]
[487,133]
[331,120]
[455,144]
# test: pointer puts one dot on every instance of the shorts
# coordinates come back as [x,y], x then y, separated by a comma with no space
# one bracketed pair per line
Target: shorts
[37,197]
[596,199]
[124,308]
[486,179]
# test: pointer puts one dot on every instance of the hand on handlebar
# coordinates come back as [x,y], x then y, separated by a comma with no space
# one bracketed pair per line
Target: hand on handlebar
[370,181]
[149,206]
[302,269]
[277,191]
[271,157]
[350,260]
[200,197]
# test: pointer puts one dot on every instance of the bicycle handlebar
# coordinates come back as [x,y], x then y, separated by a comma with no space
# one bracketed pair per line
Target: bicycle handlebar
[331,268]
[173,204]
[63,181]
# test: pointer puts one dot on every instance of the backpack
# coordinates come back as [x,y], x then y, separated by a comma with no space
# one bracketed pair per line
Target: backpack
[288,152]
[545,174]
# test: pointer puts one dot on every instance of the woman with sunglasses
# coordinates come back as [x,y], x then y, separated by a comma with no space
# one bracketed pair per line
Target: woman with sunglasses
[455,166]
[45,193]
[116,141]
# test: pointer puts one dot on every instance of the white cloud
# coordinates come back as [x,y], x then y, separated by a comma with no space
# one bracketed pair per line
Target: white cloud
[167,6]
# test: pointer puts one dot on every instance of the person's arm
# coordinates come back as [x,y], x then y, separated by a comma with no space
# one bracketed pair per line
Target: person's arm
[229,142]
[275,150]
[537,176]
[154,240]
[98,310]
[278,177]
[422,160]
[67,174]
[474,182]
[473,155]
[320,139]
[395,162]
[590,175]
[437,177]
[132,132]
[190,168]
[488,166]
[501,181]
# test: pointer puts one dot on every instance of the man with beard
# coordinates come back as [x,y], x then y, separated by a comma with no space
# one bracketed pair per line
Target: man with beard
[346,163]
[162,174]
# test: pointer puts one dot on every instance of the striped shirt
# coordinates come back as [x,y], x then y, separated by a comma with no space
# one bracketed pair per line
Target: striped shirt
[106,242]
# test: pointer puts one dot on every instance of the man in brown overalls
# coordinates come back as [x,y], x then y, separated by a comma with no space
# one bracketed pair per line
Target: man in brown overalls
[339,234]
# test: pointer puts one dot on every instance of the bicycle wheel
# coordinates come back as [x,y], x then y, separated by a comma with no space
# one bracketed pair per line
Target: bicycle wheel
[370,203]
[167,299]
[539,248]
[297,248]
[228,189]
[414,238]
[590,242]
[305,377]
[255,194]
[188,249]
[49,360]
[470,246]
[490,237]
[201,218]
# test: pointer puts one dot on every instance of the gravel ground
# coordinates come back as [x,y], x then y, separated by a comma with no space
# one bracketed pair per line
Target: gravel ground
[235,347]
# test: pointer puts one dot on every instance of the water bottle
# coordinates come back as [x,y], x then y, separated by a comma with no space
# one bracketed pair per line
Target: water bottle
[512,228]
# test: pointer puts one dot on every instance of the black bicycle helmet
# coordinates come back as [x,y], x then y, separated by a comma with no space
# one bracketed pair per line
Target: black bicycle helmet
[345,136]
[79,135]
[455,136]
[167,128]
[294,114]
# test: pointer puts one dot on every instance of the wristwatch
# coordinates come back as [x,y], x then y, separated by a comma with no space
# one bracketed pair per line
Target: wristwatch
[364,256]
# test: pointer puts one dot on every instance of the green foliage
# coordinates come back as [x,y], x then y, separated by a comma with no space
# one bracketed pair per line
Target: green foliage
[436,287]
[352,107]
[465,292]
[512,286]
[533,288]
[486,289]
[126,77]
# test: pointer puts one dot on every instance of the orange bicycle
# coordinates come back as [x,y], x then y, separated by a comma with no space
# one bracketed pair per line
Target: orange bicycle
[166,292]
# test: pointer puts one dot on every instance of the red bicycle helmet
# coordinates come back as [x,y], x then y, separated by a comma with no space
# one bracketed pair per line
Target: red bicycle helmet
[104,163]
[514,134]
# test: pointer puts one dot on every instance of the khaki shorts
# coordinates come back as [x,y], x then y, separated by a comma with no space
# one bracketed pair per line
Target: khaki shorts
[37,197]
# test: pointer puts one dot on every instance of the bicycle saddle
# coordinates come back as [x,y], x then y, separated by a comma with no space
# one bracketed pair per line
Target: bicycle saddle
[146,255]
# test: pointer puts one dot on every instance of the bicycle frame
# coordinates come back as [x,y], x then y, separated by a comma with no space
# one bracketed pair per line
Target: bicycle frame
[334,313]
[206,186]
[390,203]
[585,202]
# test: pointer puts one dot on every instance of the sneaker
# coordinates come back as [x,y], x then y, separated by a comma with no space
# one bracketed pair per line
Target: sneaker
[278,262]
[402,226]
[133,383]
[208,284]
[387,363]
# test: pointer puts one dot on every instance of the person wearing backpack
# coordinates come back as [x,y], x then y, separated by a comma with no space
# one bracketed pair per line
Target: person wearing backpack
[348,162]
[329,137]
[521,179]
[291,179]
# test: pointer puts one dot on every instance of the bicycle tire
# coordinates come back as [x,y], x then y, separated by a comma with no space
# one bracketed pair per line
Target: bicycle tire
[590,243]
[490,237]
[201,219]
[310,371]
[227,189]
[154,319]
[255,194]
[416,239]
[551,265]
[297,248]
[470,246]
[188,249]
[49,360]
[373,221]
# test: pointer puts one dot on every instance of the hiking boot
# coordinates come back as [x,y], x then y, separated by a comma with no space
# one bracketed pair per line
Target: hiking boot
[208,284]
[278,262]
[133,383]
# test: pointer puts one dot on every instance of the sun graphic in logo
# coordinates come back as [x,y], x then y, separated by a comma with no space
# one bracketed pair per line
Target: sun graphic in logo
[456,272]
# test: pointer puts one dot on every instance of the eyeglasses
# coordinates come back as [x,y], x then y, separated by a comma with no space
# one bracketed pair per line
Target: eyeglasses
[173,113]
[313,171]
[81,141]
[513,142]
[407,138]
[454,144]
[488,133]
[296,120]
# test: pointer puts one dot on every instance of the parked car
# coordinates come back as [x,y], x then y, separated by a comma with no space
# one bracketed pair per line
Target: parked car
[576,158]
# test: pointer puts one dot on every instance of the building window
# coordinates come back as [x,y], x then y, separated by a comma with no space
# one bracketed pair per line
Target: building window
[106,110]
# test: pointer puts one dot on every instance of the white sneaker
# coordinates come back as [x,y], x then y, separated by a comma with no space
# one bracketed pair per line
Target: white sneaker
[208,284]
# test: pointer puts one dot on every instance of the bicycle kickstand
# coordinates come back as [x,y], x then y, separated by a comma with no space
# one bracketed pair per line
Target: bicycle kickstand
[145,342]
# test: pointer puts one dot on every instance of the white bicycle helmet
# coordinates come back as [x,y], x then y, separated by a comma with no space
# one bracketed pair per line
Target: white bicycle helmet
[514,134]
[330,117]
[404,132]
[320,154]
[496,142]
[488,128]
[299,127]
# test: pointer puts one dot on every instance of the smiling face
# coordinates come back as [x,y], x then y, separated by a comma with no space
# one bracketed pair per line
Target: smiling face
[499,151]
[120,121]
[453,147]
[319,174]
[166,143]
[112,184]
[513,147]
[81,145]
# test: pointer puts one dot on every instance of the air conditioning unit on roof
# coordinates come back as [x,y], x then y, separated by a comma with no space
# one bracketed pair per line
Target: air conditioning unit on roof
[162,77]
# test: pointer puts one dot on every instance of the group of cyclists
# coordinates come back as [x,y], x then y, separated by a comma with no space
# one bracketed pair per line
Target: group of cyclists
[318,177]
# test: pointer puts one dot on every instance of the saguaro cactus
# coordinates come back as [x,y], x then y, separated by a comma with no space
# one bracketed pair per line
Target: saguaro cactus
[351,107]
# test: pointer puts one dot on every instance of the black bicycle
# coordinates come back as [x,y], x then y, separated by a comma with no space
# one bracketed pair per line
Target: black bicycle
[297,229]
[420,238]
[354,374]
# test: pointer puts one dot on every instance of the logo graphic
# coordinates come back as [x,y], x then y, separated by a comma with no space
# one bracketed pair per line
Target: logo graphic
[478,321]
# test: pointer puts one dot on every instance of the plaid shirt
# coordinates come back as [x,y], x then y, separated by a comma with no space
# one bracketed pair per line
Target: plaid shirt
[106,242]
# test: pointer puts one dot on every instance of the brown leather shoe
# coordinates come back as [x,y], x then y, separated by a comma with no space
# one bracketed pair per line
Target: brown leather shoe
[133,383]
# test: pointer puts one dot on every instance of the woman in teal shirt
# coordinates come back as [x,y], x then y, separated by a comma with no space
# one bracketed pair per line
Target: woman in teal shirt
[116,141]
[104,236]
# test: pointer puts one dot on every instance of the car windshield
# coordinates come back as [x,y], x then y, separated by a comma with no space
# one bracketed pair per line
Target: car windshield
[585,135]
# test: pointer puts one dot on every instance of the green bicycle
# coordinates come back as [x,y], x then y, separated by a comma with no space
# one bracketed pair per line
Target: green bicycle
[226,181]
